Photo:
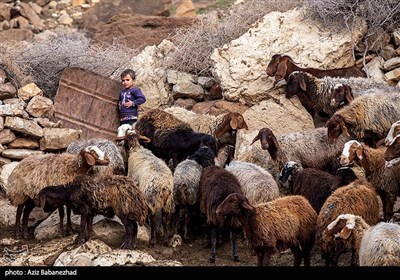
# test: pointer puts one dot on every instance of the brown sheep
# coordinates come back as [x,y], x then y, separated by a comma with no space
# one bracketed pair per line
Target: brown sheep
[385,180]
[284,223]
[281,66]
[216,184]
[108,195]
[358,198]
[36,172]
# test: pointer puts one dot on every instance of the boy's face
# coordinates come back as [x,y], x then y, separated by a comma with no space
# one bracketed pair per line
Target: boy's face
[127,81]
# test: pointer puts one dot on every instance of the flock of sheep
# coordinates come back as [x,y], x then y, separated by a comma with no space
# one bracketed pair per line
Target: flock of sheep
[322,188]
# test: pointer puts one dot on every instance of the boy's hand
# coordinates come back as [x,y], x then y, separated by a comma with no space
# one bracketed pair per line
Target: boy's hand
[128,104]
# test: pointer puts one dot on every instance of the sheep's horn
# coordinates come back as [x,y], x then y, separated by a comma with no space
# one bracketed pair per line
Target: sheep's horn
[145,139]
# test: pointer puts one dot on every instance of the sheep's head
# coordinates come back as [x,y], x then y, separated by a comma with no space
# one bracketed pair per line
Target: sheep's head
[273,64]
[392,153]
[94,156]
[287,170]
[336,126]
[343,176]
[233,204]
[352,151]
[393,132]
[341,227]
[268,141]
[296,83]
[232,121]
[341,95]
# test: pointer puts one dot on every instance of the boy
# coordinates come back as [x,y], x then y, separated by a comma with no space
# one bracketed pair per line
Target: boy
[129,98]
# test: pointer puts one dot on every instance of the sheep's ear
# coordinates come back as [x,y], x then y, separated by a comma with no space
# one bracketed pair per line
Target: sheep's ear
[303,84]
[246,205]
[348,93]
[281,70]
[359,152]
[89,159]
[233,123]
[42,200]
[145,139]
[345,233]
[344,128]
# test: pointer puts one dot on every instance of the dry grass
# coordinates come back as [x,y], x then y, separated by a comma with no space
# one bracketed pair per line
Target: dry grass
[196,43]
[45,60]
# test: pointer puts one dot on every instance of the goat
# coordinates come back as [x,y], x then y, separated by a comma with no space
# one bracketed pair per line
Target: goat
[281,66]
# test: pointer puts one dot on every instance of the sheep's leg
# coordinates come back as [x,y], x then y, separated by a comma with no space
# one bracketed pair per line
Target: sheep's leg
[213,243]
[382,195]
[18,220]
[307,257]
[134,233]
[297,255]
[233,237]
[166,225]
[153,227]
[69,223]
[354,257]
[390,200]
[80,239]
[263,257]
[29,205]
[61,215]
[89,227]
[186,216]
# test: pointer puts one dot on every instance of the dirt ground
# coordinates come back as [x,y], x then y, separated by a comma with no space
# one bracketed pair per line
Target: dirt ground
[195,254]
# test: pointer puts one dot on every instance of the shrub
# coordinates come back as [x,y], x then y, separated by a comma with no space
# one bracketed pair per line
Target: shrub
[45,60]
[196,43]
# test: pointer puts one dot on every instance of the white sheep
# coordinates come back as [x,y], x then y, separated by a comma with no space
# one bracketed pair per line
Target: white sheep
[116,165]
[377,245]
[36,172]
[154,178]
[257,184]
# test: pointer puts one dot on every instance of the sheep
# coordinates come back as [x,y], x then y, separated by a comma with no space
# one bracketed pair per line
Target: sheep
[116,165]
[314,94]
[216,183]
[358,198]
[368,118]
[346,90]
[286,222]
[170,137]
[386,181]
[281,66]
[104,194]
[186,184]
[257,184]
[393,132]
[310,148]
[222,127]
[35,172]
[377,245]
[155,180]
[314,184]
[392,153]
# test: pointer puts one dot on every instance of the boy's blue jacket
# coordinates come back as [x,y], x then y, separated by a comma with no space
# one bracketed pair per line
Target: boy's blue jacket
[133,94]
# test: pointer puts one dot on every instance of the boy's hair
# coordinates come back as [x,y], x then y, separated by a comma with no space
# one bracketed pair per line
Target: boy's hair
[127,72]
